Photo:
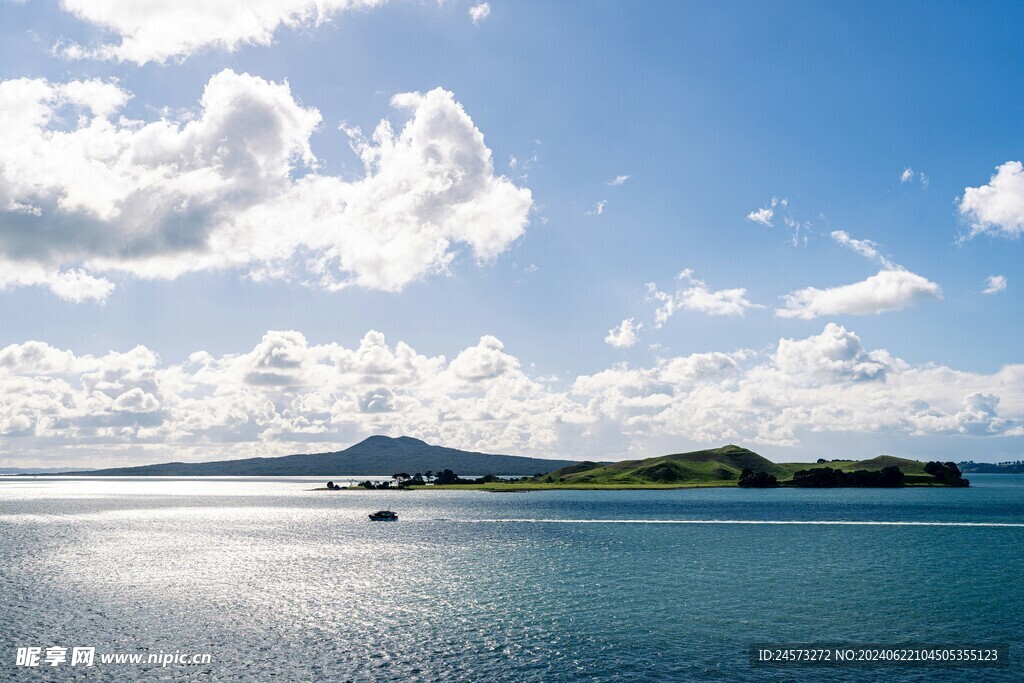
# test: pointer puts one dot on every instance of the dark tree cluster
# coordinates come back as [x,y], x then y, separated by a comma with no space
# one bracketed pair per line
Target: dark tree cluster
[947,473]
[403,480]
[442,478]
[370,485]
[750,479]
[449,477]
[826,477]
[823,460]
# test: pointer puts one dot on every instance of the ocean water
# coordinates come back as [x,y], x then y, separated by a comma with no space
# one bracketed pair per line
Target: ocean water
[278,582]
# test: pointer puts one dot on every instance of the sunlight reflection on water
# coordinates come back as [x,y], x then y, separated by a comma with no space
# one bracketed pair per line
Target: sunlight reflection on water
[276,579]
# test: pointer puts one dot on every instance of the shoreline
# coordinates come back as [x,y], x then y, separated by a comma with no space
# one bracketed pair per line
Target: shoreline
[517,488]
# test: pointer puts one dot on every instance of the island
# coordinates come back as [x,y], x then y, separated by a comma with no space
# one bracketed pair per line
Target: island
[719,467]
[419,465]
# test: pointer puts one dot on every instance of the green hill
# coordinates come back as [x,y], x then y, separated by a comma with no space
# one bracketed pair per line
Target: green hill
[711,467]
[708,467]
[377,455]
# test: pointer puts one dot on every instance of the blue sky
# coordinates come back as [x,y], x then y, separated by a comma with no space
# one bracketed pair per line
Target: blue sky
[865,124]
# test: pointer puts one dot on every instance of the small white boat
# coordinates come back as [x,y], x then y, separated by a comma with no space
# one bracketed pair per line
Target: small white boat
[384,516]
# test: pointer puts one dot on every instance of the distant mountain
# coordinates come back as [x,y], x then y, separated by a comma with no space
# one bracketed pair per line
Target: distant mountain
[39,470]
[376,455]
[1016,467]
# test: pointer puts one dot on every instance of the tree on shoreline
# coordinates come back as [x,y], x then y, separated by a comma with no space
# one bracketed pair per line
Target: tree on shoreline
[750,479]
[947,473]
[826,477]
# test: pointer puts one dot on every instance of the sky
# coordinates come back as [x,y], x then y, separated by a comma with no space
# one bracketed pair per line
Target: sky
[560,229]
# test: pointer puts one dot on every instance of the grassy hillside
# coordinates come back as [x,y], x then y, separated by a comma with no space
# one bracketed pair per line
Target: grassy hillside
[698,467]
[711,467]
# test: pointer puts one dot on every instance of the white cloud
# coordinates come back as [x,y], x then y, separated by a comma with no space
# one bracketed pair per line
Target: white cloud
[236,186]
[77,286]
[158,30]
[865,248]
[73,285]
[598,208]
[892,289]
[487,360]
[625,335]
[888,290]
[763,216]
[618,180]
[479,12]
[525,162]
[998,207]
[288,395]
[908,176]
[135,400]
[995,284]
[694,295]
[835,354]
[798,232]
[779,208]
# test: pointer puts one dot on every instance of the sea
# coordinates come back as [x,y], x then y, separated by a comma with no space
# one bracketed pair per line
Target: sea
[266,579]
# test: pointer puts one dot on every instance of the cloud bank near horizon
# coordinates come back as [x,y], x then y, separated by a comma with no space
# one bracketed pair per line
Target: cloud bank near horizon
[288,395]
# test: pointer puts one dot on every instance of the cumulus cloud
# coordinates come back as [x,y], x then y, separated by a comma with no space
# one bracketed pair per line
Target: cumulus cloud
[618,180]
[236,186]
[158,30]
[598,208]
[892,289]
[888,290]
[994,284]
[287,395]
[135,400]
[479,12]
[74,285]
[487,360]
[998,207]
[694,295]
[625,335]
[835,354]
